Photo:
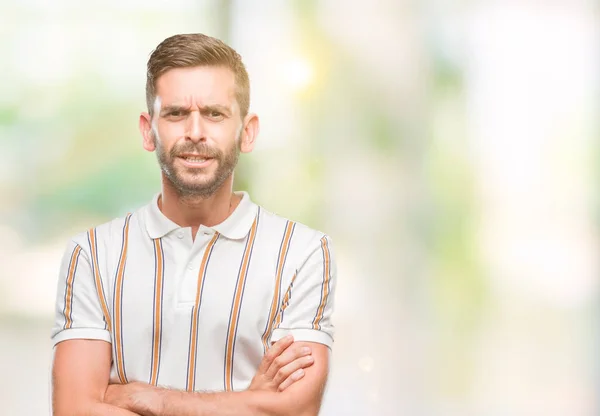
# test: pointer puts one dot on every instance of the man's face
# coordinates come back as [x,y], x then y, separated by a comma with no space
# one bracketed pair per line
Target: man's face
[196,128]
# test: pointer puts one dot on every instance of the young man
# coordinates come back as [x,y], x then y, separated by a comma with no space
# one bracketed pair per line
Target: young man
[201,302]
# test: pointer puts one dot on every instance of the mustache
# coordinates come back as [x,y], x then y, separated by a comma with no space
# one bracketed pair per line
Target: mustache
[200,148]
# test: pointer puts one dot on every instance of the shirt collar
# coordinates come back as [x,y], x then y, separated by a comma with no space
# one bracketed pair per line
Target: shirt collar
[157,224]
[236,226]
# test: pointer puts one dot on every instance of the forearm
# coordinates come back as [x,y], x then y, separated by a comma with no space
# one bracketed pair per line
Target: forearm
[93,409]
[246,403]
[103,409]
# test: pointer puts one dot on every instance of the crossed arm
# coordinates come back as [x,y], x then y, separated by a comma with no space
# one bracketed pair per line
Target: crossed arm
[81,369]
[80,375]
[287,382]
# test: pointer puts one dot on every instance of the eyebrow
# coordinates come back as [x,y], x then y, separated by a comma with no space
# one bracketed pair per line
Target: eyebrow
[185,109]
[172,108]
[218,108]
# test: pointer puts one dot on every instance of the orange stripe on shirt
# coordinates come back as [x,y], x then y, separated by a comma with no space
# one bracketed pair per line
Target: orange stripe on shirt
[287,236]
[191,376]
[157,325]
[324,286]
[118,305]
[235,310]
[97,278]
[285,303]
[69,289]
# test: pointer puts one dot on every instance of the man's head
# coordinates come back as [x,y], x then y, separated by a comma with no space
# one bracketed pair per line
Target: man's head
[196,49]
[198,96]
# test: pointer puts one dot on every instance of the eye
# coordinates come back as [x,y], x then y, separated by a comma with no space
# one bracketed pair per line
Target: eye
[214,115]
[175,115]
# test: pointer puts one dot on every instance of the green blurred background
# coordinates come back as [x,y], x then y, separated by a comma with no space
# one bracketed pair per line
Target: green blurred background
[450,148]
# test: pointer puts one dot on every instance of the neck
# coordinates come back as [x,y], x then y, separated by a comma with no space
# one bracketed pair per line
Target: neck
[193,210]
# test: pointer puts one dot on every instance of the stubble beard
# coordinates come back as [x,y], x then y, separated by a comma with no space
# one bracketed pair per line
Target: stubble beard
[192,183]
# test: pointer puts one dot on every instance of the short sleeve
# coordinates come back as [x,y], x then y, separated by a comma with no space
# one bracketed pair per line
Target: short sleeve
[308,304]
[78,312]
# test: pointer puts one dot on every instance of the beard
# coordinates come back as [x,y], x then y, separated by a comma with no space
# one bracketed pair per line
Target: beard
[197,182]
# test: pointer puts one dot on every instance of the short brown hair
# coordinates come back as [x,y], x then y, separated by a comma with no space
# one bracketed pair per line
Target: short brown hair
[196,49]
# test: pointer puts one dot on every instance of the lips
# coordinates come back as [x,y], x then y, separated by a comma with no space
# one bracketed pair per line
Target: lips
[195,161]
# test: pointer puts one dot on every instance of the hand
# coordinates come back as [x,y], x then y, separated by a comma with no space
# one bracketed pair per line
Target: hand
[136,397]
[282,365]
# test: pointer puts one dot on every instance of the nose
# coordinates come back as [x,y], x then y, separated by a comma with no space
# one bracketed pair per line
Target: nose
[195,128]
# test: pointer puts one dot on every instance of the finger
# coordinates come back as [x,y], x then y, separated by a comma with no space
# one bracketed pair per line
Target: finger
[292,365]
[296,375]
[290,354]
[274,351]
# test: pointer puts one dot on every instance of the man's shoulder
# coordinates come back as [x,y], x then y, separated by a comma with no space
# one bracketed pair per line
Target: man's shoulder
[107,231]
[299,230]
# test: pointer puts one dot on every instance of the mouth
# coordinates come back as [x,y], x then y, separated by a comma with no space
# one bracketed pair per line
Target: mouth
[195,161]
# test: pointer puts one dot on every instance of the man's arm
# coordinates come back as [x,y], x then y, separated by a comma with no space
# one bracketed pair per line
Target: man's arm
[302,398]
[82,351]
[80,375]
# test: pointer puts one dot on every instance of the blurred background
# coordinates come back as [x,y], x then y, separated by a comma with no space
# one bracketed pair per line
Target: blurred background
[450,148]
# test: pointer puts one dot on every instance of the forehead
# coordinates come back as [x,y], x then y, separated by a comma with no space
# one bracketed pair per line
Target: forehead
[201,85]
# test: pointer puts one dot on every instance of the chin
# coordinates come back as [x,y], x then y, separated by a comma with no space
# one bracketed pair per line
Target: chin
[202,188]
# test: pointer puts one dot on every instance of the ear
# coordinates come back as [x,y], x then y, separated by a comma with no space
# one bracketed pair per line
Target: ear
[147,133]
[251,127]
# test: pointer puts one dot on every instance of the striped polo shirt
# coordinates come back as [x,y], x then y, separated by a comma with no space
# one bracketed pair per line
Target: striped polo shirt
[195,315]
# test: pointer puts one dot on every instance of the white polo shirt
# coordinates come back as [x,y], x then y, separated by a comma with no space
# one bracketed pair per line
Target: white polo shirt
[195,315]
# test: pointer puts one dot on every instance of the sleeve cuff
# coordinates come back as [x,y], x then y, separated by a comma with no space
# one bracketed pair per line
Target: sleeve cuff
[308,335]
[81,333]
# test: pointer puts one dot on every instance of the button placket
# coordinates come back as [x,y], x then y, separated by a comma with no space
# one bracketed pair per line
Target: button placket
[189,279]
[184,251]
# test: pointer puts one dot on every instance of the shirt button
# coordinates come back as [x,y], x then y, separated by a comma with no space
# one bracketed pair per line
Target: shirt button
[180,235]
[190,266]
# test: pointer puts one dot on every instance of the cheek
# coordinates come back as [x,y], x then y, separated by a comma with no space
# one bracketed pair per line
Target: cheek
[169,134]
[223,134]
[170,131]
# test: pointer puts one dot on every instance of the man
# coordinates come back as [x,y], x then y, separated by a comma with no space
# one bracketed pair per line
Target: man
[201,302]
